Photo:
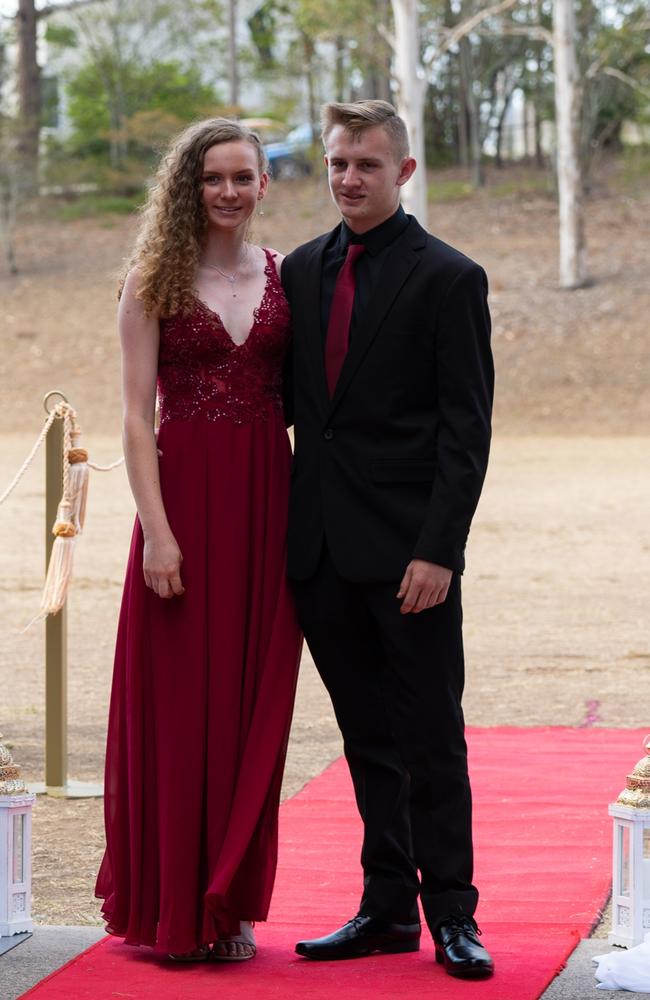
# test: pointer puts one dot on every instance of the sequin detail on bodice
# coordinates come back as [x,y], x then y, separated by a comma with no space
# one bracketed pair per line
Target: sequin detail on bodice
[203,373]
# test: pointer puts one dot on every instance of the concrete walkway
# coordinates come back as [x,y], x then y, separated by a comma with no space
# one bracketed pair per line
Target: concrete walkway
[46,950]
[577,981]
[51,947]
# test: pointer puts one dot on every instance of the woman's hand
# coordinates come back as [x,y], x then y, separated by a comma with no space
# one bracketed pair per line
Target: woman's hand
[162,566]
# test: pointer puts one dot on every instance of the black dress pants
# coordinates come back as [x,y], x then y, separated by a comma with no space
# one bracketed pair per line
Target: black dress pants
[396,683]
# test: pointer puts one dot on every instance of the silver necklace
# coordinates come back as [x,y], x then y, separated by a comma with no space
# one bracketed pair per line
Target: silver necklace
[230,278]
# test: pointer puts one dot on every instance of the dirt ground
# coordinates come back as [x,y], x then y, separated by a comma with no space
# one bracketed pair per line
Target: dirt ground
[556,589]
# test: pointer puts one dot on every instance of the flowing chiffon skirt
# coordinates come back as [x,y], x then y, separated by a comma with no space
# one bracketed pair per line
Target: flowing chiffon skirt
[202,696]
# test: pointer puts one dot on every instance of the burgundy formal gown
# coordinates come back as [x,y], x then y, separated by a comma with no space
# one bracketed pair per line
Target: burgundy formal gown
[204,683]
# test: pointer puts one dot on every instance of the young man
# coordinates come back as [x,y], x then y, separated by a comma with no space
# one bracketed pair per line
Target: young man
[390,391]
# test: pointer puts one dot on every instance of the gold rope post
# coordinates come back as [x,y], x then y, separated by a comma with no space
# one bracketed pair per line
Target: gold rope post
[56,626]
[57,782]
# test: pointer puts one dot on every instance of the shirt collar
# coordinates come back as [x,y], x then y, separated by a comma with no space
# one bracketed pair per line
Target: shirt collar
[377,239]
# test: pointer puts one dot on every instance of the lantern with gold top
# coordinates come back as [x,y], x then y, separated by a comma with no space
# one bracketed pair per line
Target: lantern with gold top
[15,848]
[631,858]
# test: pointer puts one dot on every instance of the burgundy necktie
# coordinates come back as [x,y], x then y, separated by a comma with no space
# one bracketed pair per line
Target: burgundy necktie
[338,327]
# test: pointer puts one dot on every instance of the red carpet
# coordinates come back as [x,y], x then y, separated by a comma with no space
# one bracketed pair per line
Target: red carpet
[543,861]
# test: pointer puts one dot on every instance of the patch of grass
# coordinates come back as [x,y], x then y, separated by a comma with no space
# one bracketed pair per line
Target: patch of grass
[93,205]
[635,166]
[455,189]
[521,185]
[449,190]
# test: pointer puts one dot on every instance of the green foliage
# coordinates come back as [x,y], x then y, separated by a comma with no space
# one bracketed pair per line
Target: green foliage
[124,105]
[262,25]
[145,104]
[616,39]
[61,34]
[448,190]
[71,172]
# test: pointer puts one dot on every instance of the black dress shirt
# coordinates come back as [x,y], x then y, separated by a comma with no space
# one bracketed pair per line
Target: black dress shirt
[367,269]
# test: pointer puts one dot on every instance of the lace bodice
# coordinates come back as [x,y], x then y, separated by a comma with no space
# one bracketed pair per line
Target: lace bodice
[203,373]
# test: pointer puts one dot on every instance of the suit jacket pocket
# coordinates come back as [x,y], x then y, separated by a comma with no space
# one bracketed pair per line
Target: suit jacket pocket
[400,471]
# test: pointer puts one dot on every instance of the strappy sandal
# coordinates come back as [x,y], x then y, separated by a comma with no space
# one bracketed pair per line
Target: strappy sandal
[244,945]
[200,954]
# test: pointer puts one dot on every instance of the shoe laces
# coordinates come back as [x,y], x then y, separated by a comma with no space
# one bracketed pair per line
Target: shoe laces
[358,921]
[456,925]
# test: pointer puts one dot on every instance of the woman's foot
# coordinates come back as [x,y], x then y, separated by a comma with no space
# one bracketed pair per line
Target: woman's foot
[200,954]
[237,947]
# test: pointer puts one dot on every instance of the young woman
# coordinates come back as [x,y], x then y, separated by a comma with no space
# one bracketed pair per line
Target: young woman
[208,645]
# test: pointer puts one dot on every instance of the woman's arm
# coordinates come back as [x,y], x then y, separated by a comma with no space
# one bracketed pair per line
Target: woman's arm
[139,336]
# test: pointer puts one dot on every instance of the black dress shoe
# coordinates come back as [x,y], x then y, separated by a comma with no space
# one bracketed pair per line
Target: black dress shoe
[459,949]
[362,936]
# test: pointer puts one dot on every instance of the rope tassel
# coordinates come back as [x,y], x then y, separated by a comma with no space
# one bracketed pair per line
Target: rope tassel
[69,523]
[71,511]
[70,517]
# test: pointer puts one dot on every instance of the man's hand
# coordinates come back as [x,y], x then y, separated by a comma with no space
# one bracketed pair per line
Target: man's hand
[424,585]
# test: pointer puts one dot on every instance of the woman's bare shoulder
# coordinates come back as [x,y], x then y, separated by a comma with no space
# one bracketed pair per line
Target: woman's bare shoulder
[277,258]
[130,300]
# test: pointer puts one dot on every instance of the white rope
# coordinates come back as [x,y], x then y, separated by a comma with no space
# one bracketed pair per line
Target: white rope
[70,430]
[30,458]
[106,468]
[65,412]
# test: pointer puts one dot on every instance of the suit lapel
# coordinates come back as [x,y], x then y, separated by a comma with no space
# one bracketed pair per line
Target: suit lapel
[402,258]
[311,293]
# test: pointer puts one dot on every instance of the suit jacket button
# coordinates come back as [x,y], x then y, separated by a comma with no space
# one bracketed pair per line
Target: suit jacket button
[328,434]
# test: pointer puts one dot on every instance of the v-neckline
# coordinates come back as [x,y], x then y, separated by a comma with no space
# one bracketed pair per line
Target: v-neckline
[256,310]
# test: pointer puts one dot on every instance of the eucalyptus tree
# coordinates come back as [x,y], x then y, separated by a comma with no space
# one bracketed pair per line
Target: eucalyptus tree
[567,119]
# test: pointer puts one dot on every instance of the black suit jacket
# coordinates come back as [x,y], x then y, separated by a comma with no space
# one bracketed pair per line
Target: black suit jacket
[391,468]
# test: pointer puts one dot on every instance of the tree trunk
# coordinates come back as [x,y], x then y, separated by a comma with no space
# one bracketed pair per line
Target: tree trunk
[308,48]
[116,97]
[29,97]
[8,207]
[411,89]
[233,68]
[567,119]
[467,72]
[339,72]
[539,153]
[538,88]
[375,55]
[382,53]
[530,125]
[463,135]
[507,94]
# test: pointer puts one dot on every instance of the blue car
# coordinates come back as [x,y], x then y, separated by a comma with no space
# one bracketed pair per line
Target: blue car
[291,157]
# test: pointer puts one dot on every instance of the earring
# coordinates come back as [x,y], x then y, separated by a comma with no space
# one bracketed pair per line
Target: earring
[260,210]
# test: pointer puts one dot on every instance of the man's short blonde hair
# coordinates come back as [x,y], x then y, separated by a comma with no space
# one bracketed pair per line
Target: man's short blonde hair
[358,116]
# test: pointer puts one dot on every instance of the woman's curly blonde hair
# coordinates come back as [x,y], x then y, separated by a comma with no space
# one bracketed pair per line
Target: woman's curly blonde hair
[174,223]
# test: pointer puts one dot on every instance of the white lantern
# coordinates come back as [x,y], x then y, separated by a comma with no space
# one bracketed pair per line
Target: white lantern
[631,858]
[15,849]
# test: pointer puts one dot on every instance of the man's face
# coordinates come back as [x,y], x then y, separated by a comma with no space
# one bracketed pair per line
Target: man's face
[365,176]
